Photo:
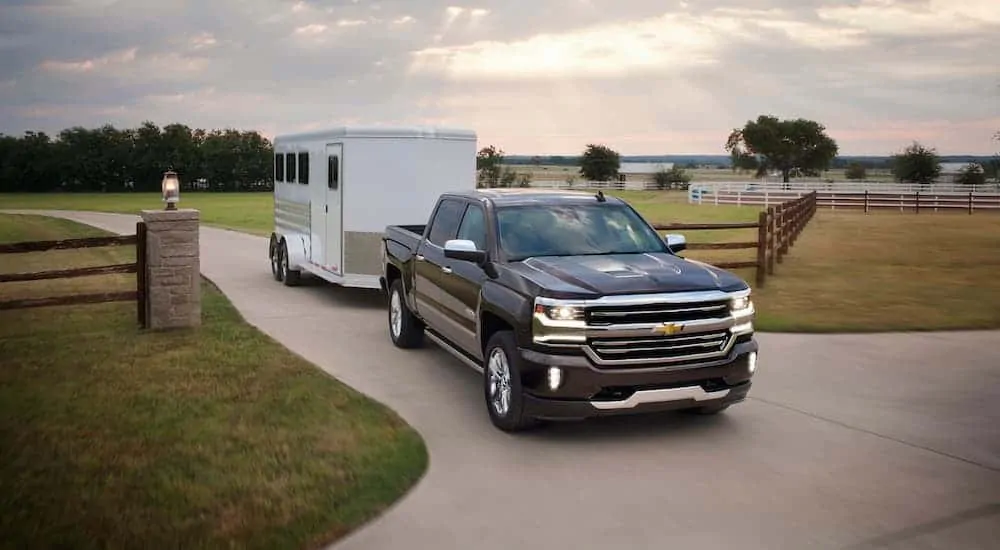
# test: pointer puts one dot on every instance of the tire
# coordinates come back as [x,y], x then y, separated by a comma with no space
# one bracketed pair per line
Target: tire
[289,277]
[502,389]
[405,330]
[275,259]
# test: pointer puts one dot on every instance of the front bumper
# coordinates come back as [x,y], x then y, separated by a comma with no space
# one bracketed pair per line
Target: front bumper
[586,391]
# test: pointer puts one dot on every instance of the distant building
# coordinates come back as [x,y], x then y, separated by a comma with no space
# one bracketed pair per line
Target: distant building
[635,175]
[951,170]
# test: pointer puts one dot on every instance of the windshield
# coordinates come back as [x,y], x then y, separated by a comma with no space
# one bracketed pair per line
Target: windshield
[574,230]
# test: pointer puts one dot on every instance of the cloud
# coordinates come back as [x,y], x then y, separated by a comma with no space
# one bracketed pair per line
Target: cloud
[644,76]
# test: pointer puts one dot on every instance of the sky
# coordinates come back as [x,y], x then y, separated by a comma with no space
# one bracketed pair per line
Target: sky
[644,77]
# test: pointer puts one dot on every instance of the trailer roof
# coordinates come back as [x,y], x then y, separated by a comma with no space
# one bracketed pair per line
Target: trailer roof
[432,132]
[521,196]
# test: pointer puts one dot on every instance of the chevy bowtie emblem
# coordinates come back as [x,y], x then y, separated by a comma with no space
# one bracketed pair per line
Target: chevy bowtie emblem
[667,329]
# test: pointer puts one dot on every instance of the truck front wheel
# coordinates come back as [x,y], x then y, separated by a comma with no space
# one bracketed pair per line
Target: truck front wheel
[502,384]
[405,329]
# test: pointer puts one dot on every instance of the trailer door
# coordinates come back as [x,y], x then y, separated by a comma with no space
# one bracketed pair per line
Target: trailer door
[334,242]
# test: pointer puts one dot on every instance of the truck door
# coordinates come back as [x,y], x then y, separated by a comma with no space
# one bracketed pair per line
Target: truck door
[430,294]
[333,198]
[462,281]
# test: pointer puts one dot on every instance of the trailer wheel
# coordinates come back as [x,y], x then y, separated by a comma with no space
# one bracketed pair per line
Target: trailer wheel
[275,257]
[288,276]
[405,330]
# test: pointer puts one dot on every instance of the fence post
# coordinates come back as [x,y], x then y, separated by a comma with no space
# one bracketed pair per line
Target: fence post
[779,232]
[866,201]
[761,247]
[771,215]
[917,195]
[970,203]
[140,272]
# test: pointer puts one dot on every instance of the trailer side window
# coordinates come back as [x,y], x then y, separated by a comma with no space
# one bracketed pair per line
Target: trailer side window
[333,172]
[304,168]
[279,167]
[445,222]
[290,167]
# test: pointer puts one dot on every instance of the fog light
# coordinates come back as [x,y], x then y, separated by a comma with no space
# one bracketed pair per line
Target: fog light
[555,377]
[752,362]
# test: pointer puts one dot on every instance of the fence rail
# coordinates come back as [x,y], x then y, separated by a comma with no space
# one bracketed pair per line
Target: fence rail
[778,227]
[138,267]
[865,200]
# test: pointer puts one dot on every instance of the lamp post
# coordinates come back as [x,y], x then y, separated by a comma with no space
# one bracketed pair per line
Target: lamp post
[171,189]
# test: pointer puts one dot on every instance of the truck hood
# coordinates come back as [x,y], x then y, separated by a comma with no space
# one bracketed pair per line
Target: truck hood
[625,274]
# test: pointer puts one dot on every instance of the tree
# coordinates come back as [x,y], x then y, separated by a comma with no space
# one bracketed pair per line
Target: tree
[785,145]
[971,174]
[856,171]
[489,162]
[675,177]
[916,164]
[599,163]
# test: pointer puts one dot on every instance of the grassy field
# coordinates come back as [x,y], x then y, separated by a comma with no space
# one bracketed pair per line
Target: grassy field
[249,212]
[214,438]
[847,272]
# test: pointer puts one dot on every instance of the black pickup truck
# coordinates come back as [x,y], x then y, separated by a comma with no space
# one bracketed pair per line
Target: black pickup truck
[571,306]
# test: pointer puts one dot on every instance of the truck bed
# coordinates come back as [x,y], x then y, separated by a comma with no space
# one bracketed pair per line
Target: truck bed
[402,240]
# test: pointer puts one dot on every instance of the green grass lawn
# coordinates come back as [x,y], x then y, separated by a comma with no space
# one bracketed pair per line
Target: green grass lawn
[248,212]
[847,272]
[210,438]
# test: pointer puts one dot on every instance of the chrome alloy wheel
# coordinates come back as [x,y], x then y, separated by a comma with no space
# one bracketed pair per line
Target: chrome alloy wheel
[395,315]
[499,381]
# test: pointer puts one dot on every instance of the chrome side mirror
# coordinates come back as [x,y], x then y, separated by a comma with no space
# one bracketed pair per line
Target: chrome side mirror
[465,250]
[676,243]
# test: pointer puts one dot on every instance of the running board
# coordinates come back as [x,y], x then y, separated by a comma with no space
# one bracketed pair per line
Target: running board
[455,352]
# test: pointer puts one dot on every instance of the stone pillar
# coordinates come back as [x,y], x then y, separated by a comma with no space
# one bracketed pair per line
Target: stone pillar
[173,297]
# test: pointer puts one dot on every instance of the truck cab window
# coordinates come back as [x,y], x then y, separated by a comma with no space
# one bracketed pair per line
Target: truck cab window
[473,226]
[445,222]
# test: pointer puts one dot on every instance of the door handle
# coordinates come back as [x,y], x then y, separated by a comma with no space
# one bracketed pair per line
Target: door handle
[420,257]
[446,269]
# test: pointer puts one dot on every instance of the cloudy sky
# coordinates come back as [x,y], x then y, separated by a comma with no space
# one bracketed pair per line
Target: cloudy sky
[532,76]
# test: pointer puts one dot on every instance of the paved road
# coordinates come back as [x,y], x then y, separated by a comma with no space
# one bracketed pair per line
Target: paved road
[889,441]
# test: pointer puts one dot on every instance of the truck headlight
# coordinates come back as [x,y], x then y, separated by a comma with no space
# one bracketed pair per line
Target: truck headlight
[560,313]
[739,303]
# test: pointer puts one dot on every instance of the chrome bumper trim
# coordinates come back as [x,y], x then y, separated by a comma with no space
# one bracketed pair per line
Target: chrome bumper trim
[697,393]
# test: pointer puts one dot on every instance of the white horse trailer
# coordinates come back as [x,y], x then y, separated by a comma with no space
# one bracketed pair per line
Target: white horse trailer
[336,190]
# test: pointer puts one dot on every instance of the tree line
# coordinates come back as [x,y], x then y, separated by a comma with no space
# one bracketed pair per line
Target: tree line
[787,148]
[113,159]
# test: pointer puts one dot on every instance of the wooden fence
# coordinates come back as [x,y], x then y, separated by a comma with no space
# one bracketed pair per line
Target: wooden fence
[778,227]
[138,267]
[908,201]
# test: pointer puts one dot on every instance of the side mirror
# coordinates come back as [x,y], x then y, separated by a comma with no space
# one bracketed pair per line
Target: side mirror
[465,250]
[676,243]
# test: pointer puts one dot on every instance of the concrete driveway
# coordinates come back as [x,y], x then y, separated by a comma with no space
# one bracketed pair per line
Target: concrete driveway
[848,441]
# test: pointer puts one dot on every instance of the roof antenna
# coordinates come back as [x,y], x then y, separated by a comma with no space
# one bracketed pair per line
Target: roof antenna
[600,196]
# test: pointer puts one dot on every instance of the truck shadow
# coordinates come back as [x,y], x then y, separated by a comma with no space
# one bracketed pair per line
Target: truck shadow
[670,424]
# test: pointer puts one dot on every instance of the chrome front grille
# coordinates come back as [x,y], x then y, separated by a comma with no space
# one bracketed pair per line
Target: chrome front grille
[659,347]
[656,313]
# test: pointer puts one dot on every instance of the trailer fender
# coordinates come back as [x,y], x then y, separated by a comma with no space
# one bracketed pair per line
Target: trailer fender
[296,246]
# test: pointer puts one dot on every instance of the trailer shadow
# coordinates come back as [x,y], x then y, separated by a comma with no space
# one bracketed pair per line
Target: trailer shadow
[338,296]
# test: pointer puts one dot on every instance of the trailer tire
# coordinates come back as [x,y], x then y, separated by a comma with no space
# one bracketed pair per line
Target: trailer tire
[275,258]
[288,276]
[405,330]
